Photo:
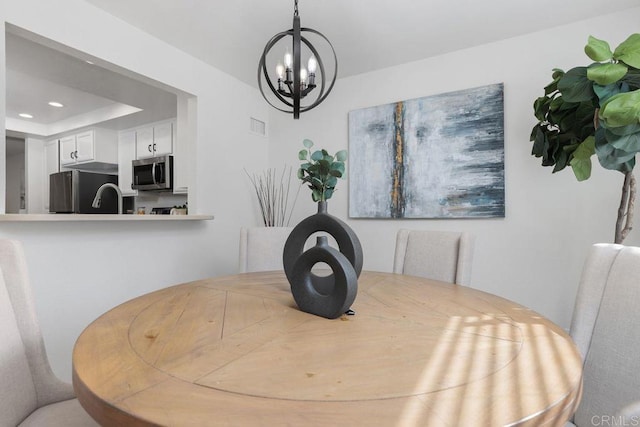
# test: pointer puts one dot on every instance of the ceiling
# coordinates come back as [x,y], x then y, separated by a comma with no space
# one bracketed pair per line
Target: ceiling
[366,34]
[91,94]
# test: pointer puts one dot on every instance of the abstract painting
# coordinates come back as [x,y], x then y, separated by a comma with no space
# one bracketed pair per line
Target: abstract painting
[440,156]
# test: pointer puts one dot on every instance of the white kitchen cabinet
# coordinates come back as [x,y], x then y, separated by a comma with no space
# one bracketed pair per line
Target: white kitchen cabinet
[67,150]
[95,145]
[156,140]
[85,146]
[126,155]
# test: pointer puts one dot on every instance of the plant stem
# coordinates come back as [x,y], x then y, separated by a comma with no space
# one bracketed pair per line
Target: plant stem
[624,223]
[273,196]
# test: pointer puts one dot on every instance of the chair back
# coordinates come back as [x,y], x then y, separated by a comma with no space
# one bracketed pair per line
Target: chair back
[606,329]
[20,338]
[261,248]
[438,255]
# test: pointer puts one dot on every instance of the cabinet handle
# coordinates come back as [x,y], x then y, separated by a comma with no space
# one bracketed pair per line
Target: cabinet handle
[154,147]
[149,148]
[153,174]
[72,155]
[75,153]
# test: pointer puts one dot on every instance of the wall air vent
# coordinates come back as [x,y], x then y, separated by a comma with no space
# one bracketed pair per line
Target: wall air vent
[258,127]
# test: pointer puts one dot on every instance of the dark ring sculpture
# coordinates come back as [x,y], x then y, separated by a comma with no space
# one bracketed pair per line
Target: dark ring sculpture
[326,296]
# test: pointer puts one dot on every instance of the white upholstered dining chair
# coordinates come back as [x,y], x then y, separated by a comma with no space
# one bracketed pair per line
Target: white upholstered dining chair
[438,255]
[261,248]
[30,393]
[606,329]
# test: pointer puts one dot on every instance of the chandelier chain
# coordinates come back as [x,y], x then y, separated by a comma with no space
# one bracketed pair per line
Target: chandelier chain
[295,9]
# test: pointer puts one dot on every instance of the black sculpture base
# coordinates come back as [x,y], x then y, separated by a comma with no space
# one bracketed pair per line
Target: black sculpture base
[326,296]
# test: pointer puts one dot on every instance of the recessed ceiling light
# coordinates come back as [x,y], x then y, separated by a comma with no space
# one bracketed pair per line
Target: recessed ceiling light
[55,104]
[26,116]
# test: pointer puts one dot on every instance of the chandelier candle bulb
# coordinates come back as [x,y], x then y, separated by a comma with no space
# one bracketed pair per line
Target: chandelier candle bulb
[312,71]
[288,59]
[280,73]
[312,65]
[288,64]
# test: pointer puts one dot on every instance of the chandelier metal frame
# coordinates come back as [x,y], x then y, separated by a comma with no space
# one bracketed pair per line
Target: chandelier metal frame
[293,89]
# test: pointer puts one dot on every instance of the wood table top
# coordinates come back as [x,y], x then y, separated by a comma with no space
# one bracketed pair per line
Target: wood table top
[236,351]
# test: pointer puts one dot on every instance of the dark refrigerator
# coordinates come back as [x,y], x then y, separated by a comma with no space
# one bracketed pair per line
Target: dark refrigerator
[73,192]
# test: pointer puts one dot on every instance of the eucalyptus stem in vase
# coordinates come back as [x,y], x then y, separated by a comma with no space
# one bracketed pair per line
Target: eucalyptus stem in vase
[320,170]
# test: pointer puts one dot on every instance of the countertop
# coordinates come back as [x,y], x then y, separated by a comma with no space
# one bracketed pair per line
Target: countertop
[98,217]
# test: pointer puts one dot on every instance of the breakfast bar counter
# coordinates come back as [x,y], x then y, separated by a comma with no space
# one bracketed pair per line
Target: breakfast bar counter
[98,217]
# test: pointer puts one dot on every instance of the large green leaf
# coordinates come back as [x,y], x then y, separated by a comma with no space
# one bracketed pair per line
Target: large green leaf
[606,92]
[561,159]
[541,107]
[553,86]
[557,73]
[328,193]
[598,50]
[581,161]
[632,79]
[337,167]
[629,51]
[622,109]
[307,143]
[302,155]
[556,103]
[581,168]
[317,155]
[586,149]
[575,86]
[341,155]
[622,130]
[610,157]
[539,139]
[629,143]
[606,74]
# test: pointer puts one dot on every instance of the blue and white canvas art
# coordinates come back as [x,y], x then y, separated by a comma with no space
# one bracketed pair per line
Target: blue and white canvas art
[440,156]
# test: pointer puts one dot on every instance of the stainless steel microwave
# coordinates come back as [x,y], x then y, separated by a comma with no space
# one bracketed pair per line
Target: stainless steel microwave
[155,173]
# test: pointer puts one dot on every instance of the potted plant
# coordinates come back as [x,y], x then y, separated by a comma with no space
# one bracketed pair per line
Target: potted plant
[594,109]
[321,170]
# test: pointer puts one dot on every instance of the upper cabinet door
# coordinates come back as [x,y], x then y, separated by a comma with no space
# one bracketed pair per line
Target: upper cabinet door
[84,146]
[68,150]
[144,142]
[163,139]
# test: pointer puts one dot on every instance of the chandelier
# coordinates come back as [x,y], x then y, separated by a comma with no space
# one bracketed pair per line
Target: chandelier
[293,81]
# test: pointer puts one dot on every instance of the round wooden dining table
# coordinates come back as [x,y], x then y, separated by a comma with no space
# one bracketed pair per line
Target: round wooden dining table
[236,351]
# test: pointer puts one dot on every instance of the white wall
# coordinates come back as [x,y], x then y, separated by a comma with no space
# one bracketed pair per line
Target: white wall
[15,182]
[35,176]
[80,270]
[533,256]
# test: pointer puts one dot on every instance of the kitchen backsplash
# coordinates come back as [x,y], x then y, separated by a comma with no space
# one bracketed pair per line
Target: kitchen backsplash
[150,200]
